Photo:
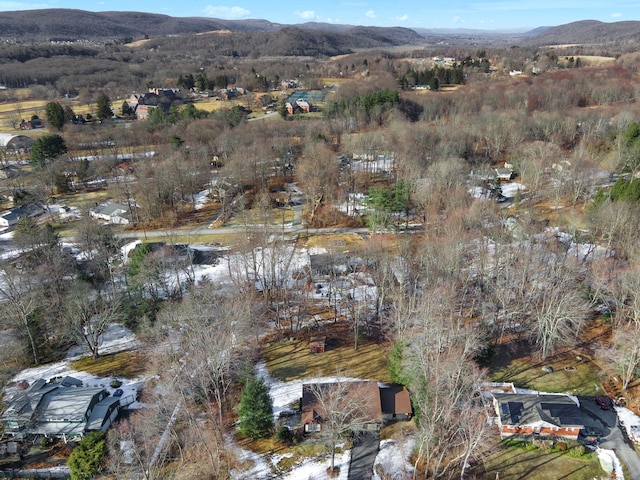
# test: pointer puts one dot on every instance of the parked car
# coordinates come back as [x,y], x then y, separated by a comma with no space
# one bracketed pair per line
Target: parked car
[591,432]
[118,393]
[603,402]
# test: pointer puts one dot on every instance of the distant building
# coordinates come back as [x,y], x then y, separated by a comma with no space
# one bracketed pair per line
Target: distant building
[364,393]
[11,217]
[16,143]
[111,212]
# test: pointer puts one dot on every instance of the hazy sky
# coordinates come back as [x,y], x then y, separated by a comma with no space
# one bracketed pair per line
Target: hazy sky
[488,15]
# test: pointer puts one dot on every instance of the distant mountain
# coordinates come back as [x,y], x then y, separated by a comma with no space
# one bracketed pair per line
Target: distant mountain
[288,41]
[592,32]
[68,24]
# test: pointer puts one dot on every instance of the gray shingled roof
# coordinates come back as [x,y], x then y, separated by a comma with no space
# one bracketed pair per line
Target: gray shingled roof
[527,409]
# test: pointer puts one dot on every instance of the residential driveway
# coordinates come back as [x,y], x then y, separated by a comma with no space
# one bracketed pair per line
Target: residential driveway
[363,455]
[614,435]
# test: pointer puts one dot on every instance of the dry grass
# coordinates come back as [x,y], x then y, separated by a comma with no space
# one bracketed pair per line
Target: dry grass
[124,364]
[273,217]
[82,199]
[570,375]
[512,463]
[338,242]
[397,430]
[291,360]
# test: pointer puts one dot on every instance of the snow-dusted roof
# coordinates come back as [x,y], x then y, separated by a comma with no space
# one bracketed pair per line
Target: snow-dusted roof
[15,142]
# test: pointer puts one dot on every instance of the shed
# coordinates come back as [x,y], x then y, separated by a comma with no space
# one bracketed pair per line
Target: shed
[317,344]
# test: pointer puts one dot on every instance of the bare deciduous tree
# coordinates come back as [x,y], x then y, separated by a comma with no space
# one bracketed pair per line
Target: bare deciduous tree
[88,315]
[341,409]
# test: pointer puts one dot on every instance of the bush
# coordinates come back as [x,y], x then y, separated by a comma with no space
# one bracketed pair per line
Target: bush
[284,435]
[580,451]
[115,383]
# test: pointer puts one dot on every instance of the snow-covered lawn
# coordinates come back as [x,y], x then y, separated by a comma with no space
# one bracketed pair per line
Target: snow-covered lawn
[393,456]
[509,190]
[117,338]
[630,422]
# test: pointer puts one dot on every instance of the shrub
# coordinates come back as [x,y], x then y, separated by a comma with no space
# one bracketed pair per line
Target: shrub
[284,435]
[87,457]
[115,383]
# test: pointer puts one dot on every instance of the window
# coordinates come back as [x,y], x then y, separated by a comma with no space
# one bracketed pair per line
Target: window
[312,427]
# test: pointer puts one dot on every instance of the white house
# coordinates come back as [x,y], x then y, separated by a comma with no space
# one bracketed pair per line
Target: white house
[112,213]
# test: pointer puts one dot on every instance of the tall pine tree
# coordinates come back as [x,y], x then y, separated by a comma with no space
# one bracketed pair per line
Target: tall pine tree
[256,410]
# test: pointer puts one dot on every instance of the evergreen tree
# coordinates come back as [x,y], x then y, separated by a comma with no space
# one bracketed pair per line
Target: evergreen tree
[69,114]
[103,107]
[47,148]
[55,115]
[87,457]
[126,109]
[256,410]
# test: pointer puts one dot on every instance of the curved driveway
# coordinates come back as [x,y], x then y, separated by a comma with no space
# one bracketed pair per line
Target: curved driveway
[614,435]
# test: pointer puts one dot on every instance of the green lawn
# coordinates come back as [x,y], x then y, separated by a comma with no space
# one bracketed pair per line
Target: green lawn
[292,360]
[569,375]
[514,463]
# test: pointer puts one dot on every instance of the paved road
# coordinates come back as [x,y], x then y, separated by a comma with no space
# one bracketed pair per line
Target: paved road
[363,455]
[614,435]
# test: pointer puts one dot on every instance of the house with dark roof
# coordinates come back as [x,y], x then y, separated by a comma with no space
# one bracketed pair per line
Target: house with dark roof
[538,414]
[395,403]
[59,409]
[11,217]
[377,403]
[365,394]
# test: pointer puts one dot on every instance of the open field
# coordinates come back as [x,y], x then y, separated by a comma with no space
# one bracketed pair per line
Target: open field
[512,463]
[291,360]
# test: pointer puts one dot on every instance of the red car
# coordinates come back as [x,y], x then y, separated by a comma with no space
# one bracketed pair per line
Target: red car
[603,401]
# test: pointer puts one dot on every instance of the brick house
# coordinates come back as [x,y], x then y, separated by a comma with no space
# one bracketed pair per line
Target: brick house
[538,414]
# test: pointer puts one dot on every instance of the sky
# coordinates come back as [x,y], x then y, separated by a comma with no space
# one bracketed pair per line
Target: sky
[452,14]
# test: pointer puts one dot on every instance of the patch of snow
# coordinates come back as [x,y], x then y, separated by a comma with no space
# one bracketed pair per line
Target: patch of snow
[285,393]
[316,469]
[536,392]
[393,459]
[630,422]
[117,338]
[479,192]
[610,463]
[199,199]
[128,248]
[509,190]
